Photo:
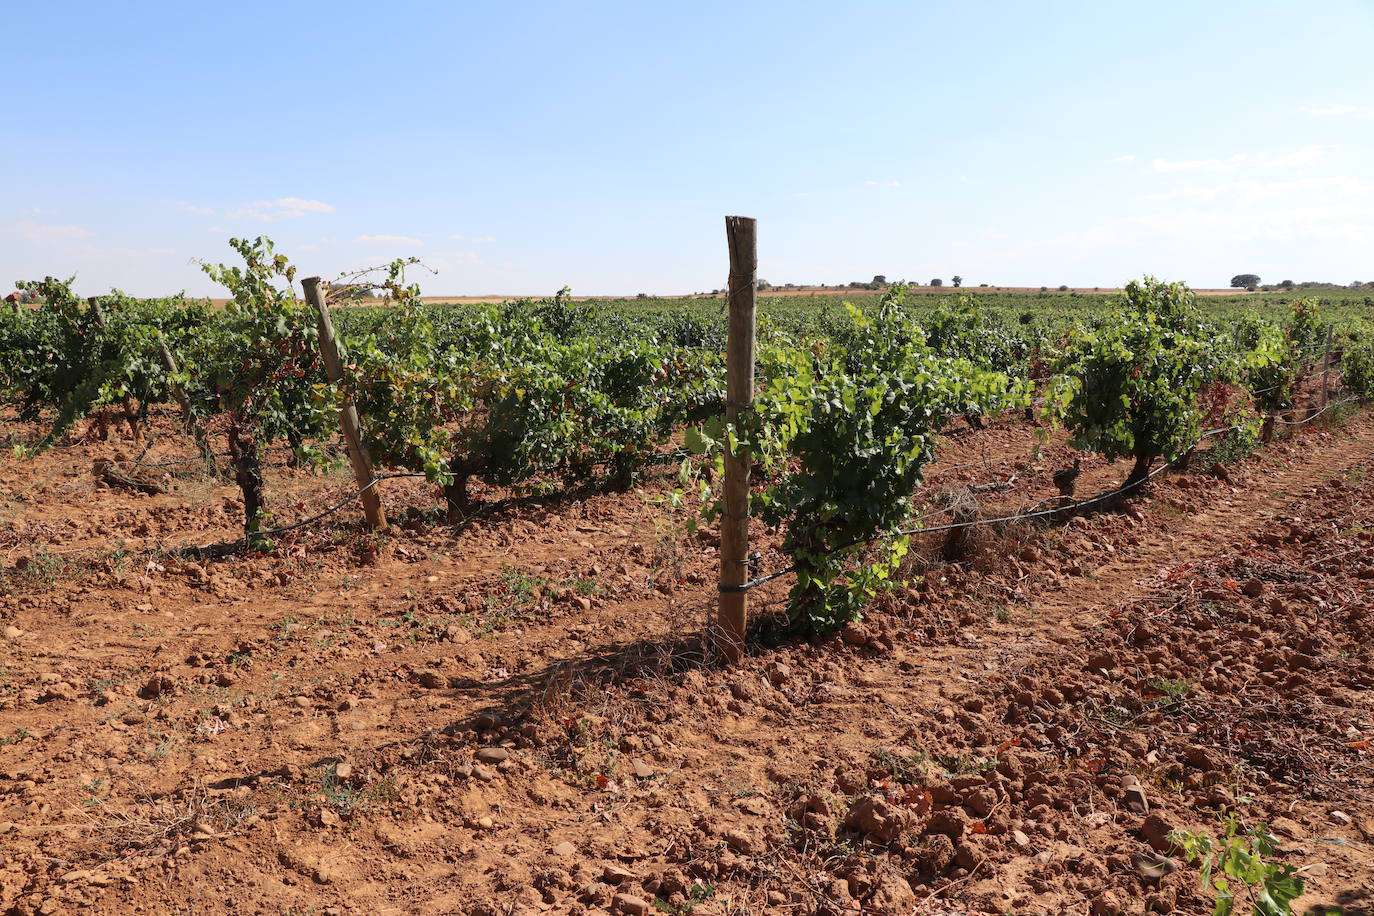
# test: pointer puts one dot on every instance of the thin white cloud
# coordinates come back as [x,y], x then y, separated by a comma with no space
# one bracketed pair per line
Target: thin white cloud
[388,240]
[281,208]
[36,232]
[1303,156]
[476,240]
[1200,165]
[1123,159]
[883,184]
[1339,110]
[185,207]
[1344,225]
[1308,155]
[1265,190]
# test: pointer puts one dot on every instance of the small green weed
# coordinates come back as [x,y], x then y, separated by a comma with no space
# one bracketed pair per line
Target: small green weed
[1237,861]
[696,895]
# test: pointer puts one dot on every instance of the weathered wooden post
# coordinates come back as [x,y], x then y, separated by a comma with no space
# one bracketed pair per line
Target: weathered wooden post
[348,413]
[733,617]
[187,414]
[1326,368]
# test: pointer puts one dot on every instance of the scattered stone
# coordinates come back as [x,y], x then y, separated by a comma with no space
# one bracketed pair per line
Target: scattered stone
[13,632]
[740,842]
[1020,839]
[617,875]
[641,769]
[564,850]
[1340,817]
[492,755]
[1135,799]
[1154,865]
[343,770]
[630,904]
[1156,832]
[156,686]
[1252,588]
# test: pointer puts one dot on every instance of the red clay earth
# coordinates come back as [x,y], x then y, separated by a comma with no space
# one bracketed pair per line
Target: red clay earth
[519,716]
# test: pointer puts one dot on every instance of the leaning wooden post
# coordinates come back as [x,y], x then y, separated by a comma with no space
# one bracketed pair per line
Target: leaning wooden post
[1326,367]
[169,361]
[741,233]
[348,414]
[188,415]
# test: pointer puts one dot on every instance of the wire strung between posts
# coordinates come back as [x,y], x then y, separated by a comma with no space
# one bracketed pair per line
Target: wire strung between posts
[342,504]
[332,509]
[1314,416]
[1042,513]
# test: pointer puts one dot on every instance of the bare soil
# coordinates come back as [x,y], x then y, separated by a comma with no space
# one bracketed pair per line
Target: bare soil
[522,715]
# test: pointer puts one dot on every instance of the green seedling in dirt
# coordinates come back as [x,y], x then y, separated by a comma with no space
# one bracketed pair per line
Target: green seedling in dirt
[521,585]
[905,769]
[696,895]
[587,586]
[285,626]
[95,787]
[1237,864]
[955,766]
[339,794]
[1165,693]
[19,735]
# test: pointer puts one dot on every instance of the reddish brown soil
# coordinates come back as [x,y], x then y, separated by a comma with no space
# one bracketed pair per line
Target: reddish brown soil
[519,717]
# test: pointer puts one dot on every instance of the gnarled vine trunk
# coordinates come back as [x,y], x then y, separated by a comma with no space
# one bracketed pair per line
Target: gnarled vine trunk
[456,495]
[1140,472]
[247,461]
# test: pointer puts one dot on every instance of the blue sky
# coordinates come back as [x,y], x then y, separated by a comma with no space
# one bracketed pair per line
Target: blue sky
[520,146]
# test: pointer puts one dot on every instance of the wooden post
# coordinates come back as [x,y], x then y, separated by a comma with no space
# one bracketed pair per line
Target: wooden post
[733,617]
[187,414]
[96,313]
[170,362]
[348,414]
[1326,368]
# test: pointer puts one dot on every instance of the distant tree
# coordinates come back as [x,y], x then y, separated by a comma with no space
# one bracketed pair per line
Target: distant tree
[937,282]
[1357,284]
[1063,287]
[879,280]
[982,284]
[1245,281]
[1285,284]
[957,281]
[762,284]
